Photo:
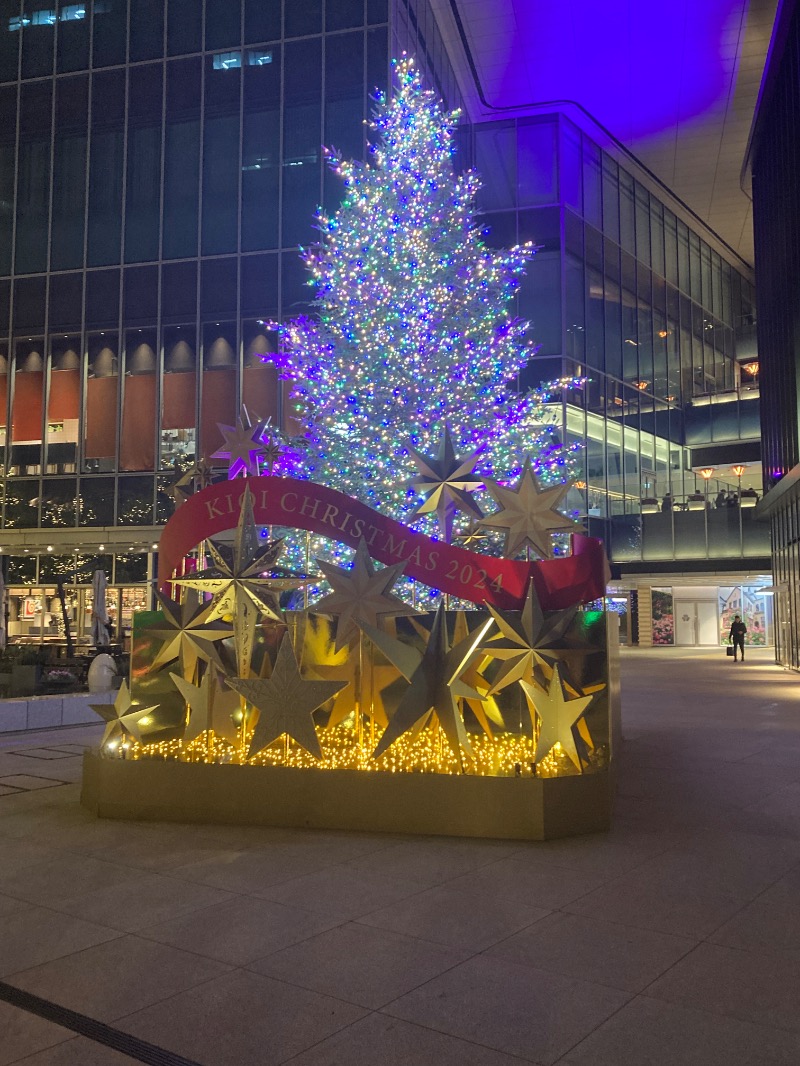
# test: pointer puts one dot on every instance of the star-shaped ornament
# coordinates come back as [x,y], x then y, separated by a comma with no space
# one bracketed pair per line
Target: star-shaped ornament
[242,447]
[210,707]
[244,570]
[435,683]
[526,639]
[485,709]
[528,514]
[187,482]
[445,481]
[286,702]
[188,632]
[273,450]
[361,595]
[557,716]
[123,716]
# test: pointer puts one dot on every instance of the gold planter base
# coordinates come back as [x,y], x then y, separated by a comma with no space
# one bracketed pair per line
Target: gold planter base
[514,808]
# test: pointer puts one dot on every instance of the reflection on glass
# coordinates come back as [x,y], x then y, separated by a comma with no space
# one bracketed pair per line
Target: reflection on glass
[97,501]
[135,501]
[178,398]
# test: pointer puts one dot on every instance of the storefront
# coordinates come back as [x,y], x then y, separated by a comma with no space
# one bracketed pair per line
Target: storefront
[701,615]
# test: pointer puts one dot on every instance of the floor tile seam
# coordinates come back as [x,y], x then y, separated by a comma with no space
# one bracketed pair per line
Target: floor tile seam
[372,1010]
[464,1039]
[416,1025]
[91,947]
[704,941]
[29,1056]
[173,873]
[594,981]
[453,877]
[66,955]
[237,965]
[516,932]
[623,1006]
[748,1019]
[632,925]
[473,953]
[229,969]
[49,906]
[138,932]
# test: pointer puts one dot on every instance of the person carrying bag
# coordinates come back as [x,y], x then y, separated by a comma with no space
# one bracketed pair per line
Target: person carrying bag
[738,630]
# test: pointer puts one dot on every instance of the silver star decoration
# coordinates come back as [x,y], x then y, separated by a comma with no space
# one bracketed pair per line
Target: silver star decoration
[361,595]
[435,683]
[285,702]
[444,481]
[528,514]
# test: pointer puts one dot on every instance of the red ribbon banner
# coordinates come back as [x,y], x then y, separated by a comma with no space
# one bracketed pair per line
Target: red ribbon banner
[481,579]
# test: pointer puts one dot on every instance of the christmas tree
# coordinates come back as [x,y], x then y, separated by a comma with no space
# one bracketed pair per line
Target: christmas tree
[414,329]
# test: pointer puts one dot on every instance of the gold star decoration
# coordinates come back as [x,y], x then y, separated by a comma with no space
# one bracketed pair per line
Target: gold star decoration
[197,477]
[528,514]
[557,716]
[444,481]
[188,632]
[242,447]
[210,707]
[244,582]
[485,709]
[435,683]
[285,702]
[244,569]
[526,639]
[273,450]
[123,716]
[361,594]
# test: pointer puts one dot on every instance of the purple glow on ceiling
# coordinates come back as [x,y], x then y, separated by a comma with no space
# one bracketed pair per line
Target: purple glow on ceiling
[637,66]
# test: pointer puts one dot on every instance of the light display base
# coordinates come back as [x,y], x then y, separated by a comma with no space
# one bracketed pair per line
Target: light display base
[512,808]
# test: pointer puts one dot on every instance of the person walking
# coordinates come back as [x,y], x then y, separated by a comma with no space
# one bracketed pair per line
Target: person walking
[738,630]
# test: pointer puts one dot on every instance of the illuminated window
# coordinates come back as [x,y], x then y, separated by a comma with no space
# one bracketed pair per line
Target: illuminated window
[258,57]
[227,60]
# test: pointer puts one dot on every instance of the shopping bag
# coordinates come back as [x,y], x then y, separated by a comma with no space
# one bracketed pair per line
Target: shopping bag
[729,650]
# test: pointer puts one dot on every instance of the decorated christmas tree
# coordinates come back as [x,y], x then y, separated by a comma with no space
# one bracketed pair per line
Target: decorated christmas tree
[414,328]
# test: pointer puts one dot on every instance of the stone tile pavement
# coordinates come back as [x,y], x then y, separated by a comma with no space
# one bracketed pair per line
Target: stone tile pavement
[672,939]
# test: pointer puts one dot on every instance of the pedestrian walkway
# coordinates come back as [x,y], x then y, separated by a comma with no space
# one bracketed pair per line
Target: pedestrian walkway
[673,940]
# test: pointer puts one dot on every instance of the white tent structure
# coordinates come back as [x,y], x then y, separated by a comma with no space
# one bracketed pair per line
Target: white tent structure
[100,635]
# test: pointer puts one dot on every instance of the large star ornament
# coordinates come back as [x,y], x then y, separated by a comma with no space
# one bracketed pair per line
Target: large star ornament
[528,514]
[243,446]
[123,716]
[285,702]
[188,633]
[526,639]
[557,717]
[210,707]
[445,481]
[361,595]
[435,683]
[244,570]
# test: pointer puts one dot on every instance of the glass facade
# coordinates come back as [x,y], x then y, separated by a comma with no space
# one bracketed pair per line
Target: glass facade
[158,170]
[776,223]
[160,164]
[623,292]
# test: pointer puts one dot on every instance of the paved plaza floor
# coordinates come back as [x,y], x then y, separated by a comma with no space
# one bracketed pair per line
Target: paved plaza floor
[674,939]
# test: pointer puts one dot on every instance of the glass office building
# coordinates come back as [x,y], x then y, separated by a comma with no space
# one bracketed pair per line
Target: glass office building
[776,223]
[160,163]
